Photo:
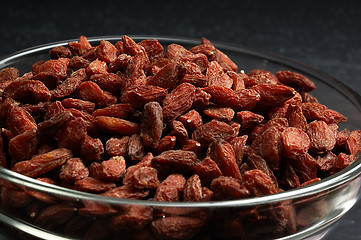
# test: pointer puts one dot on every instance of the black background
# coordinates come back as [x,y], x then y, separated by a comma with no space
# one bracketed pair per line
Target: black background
[322,34]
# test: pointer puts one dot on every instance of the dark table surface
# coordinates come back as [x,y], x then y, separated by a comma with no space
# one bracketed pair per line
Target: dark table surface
[322,34]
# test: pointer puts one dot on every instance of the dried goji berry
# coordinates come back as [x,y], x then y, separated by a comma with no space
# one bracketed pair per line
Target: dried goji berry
[194,146]
[166,143]
[73,170]
[193,74]
[258,183]
[80,47]
[316,111]
[69,85]
[51,72]
[79,104]
[78,62]
[41,164]
[305,167]
[145,178]
[178,130]
[151,126]
[219,113]
[153,48]
[272,95]
[201,99]
[289,178]
[176,51]
[223,154]
[248,119]
[53,109]
[106,51]
[119,110]
[322,138]
[240,148]
[54,215]
[145,162]
[110,170]
[110,82]
[207,170]
[157,65]
[8,74]
[193,190]
[258,76]
[19,120]
[217,55]
[120,46]
[296,80]
[119,64]
[137,96]
[170,189]
[353,142]
[238,80]
[126,191]
[60,52]
[117,125]
[117,146]
[72,135]
[295,142]
[228,188]
[51,126]
[136,150]
[27,91]
[254,161]
[307,97]
[168,77]
[42,196]
[131,47]
[96,209]
[295,116]
[175,161]
[327,161]
[96,67]
[178,101]
[13,197]
[90,91]
[341,138]
[217,77]
[135,218]
[191,120]
[89,120]
[344,160]
[37,110]
[24,146]
[205,48]
[90,184]
[242,99]
[91,149]
[134,73]
[269,146]
[176,227]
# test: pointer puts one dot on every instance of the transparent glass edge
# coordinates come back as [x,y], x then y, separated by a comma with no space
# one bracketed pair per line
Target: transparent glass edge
[324,186]
[29,228]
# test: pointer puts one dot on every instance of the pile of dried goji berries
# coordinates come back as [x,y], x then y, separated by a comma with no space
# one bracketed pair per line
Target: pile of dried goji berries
[131,120]
[137,121]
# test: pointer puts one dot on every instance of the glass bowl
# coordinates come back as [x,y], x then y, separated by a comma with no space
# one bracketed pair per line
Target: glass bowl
[306,212]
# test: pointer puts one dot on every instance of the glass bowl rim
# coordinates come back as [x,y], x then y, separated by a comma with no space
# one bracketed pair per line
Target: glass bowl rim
[323,186]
